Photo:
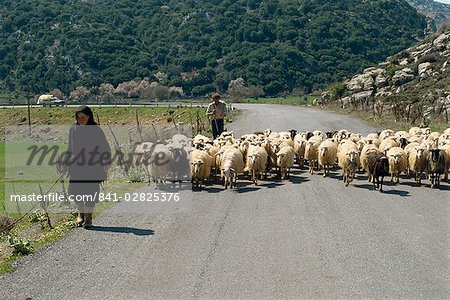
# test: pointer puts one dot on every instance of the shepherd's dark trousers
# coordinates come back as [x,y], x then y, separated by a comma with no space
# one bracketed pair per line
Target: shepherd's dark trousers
[217,129]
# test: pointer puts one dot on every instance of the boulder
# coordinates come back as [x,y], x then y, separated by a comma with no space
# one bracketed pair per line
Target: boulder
[345,102]
[381,81]
[404,62]
[403,76]
[444,66]
[442,42]
[383,94]
[363,82]
[423,67]
[362,96]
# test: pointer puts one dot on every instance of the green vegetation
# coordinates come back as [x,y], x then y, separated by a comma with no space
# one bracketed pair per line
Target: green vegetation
[290,100]
[197,45]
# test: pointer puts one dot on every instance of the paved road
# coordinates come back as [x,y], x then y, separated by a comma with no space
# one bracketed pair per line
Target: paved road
[308,237]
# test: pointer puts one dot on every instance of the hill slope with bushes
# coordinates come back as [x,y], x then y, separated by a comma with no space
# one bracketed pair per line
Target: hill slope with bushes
[201,46]
[413,85]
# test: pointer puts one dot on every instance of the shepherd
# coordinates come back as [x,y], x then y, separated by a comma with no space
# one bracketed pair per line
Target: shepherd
[216,111]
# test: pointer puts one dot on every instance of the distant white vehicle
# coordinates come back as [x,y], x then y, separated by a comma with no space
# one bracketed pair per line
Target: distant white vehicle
[49,100]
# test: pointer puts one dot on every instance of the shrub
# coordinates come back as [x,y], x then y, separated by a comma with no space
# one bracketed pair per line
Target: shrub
[336,91]
[20,246]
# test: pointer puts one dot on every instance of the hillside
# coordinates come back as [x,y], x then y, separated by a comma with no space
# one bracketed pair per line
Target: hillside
[413,85]
[198,45]
[438,12]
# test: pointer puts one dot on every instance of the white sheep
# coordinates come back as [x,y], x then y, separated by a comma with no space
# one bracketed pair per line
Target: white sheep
[415,131]
[372,136]
[446,149]
[447,131]
[341,135]
[348,160]
[312,152]
[385,134]
[364,163]
[299,149]
[157,163]
[256,162]
[387,144]
[200,139]
[417,162]
[232,163]
[327,156]
[320,133]
[397,162]
[285,160]
[402,134]
[201,163]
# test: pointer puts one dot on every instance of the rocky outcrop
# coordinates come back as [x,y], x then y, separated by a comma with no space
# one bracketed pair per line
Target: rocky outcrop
[418,77]
[438,12]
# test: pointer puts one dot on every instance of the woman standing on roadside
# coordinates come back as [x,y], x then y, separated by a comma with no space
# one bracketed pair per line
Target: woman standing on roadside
[88,160]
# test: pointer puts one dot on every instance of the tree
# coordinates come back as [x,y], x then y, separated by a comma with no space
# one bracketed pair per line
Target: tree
[237,89]
[80,94]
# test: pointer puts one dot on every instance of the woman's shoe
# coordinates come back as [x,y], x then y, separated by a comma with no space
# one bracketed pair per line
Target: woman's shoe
[80,219]
[87,220]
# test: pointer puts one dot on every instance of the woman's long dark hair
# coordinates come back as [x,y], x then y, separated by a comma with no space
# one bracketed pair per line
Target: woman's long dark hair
[87,111]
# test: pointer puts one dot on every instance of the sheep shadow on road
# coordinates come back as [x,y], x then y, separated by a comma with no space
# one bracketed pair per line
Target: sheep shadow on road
[135,231]
[368,186]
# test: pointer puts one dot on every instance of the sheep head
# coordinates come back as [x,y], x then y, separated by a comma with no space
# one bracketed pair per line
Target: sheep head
[197,166]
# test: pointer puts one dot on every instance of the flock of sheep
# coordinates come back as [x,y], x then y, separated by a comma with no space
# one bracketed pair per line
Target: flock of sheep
[417,152]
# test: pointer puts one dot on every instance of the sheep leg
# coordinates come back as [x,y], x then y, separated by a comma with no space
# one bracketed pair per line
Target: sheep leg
[381,185]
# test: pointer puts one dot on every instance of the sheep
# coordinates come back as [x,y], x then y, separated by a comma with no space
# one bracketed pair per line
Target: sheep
[426,131]
[256,162]
[402,134]
[415,139]
[311,152]
[403,142]
[363,157]
[372,136]
[387,144]
[200,139]
[137,153]
[434,136]
[446,149]
[232,163]
[306,135]
[377,166]
[341,135]
[285,160]
[444,139]
[327,156]
[179,164]
[201,163]
[447,131]
[345,143]
[385,134]
[348,159]
[429,144]
[436,166]
[299,149]
[293,133]
[372,140]
[157,163]
[319,133]
[397,163]
[415,131]
[417,162]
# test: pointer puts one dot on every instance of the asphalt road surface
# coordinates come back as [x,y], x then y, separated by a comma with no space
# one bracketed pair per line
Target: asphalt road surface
[307,237]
